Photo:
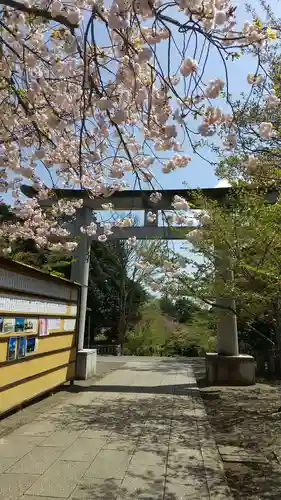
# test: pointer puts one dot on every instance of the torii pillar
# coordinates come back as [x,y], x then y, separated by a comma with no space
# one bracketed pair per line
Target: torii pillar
[86,358]
[227,366]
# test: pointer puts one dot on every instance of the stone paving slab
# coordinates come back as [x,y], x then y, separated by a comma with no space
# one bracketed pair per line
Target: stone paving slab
[177,491]
[152,458]
[139,433]
[61,439]
[83,450]
[109,464]
[36,461]
[120,445]
[37,428]
[6,463]
[97,434]
[59,480]
[142,488]
[14,485]
[96,489]
[17,446]
[151,472]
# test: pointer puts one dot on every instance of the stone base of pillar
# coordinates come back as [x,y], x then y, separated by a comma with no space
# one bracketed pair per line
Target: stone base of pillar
[86,364]
[230,370]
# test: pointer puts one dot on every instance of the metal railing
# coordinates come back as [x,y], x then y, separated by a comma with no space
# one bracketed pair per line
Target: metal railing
[107,349]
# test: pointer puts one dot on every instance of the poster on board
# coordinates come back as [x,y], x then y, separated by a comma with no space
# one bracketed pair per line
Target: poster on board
[22,342]
[31,345]
[31,325]
[53,324]
[9,325]
[69,325]
[43,327]
[23,305]
[12,348]
[19,325]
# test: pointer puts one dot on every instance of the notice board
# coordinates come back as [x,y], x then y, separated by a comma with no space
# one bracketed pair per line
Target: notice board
[38,332]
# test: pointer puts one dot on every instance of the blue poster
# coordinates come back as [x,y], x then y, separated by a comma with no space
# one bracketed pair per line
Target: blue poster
[22,347]
[12,348]
[31,345]
[19,325]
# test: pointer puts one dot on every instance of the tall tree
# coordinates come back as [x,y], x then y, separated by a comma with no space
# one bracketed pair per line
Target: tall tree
[245,234]
[117,285]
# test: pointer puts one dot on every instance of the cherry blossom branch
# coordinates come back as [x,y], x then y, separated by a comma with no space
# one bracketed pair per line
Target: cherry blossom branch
[45,14]
[90,111]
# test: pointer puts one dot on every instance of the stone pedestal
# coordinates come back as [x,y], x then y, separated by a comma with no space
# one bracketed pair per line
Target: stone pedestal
[86,365]
[230,370]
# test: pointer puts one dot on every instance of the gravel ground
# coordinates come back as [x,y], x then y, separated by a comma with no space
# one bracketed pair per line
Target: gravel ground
[247,417]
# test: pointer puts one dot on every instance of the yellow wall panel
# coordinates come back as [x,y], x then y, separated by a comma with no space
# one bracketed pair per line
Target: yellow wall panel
[20,371]
[3,350]
[28,293]
[46,344]
[18,394]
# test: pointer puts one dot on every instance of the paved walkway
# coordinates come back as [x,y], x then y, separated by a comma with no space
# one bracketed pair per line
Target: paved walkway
[141,432]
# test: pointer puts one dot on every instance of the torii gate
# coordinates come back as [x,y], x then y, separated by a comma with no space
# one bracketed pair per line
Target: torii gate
[226,366]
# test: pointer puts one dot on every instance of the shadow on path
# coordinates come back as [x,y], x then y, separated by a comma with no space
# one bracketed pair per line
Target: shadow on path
[179,389]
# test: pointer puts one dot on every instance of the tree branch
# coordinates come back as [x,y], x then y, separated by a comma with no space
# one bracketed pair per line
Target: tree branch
[45,14]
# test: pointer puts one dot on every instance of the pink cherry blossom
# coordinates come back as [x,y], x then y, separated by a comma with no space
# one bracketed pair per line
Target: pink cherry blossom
[266,130]
[179,203]
[155,197]
[272,101]
[188,66]
[255,79]
[252,164]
